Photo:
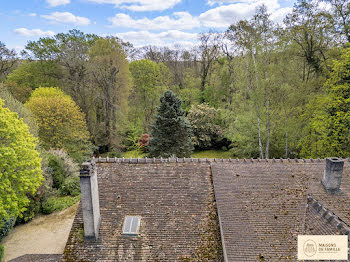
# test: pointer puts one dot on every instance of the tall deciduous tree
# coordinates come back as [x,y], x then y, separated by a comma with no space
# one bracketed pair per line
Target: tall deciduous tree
[149,79]
[8,60]
[20,165]
[110,79]
[171,133]
[327,133]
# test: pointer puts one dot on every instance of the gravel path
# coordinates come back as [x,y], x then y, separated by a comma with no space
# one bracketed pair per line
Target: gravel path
[46,234]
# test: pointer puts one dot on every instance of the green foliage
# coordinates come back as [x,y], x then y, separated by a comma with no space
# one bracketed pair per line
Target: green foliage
[61,123]
[206,125]
[212,154]
[110,82]
[58,203]
[34,74]
[2,253]
[149,83]
[15,106]
[56,165]
[6,227]
[132,135]
[327,133]
[171,133]
[71,186]
[137,153]
[21,94]
[61,167]
[20,165]
[32,210]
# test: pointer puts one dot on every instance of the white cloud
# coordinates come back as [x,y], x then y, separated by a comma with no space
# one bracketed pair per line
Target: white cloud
[168,38]
[280,14]
[181,21]
[33,32]
[54,3]
[32,14]
[140,5]
[326,6]
[66,17]
[224,15]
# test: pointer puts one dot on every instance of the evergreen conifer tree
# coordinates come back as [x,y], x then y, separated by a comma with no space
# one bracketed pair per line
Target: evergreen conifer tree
[171,133]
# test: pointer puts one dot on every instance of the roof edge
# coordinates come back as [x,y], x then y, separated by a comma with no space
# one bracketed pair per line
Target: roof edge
[208,160]
[328,216]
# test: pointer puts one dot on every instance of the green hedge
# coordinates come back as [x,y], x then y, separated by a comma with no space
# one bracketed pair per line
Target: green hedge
[58,203]
[6,227]
[2,253]
[70,186]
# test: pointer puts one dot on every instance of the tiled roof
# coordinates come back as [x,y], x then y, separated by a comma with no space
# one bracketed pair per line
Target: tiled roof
[172,199]
[38,258]
[262,206]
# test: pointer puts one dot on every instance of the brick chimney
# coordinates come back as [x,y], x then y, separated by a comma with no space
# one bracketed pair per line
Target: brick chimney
[332,174]
[90,200]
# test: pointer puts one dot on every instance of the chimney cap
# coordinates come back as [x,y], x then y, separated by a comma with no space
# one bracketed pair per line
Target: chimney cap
[86,168]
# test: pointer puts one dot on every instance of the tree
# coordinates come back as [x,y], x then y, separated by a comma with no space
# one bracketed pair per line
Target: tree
[111,82]
[171,133]
[341,15]
[20,165]
[15,106]
[327,133]
[8,60]
[206,125]
[34,74]
[149,83]
[209,50]
[311,30]
[70,52]
[61,122]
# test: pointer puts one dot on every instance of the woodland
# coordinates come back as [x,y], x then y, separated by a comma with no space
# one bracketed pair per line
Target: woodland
[257,90]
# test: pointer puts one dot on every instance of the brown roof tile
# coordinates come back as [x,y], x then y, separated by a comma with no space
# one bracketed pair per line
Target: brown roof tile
[263,206]
[171,198]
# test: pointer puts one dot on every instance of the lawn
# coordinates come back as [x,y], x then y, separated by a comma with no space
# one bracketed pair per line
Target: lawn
[196,154]
[212,154]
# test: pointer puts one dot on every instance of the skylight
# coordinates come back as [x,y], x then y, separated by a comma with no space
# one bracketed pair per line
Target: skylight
[131,225]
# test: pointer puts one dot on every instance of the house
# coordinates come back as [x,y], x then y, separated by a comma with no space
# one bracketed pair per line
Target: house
[189,209]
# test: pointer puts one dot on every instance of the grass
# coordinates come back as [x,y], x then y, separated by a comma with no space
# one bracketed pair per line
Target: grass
[196,154]
[134,154]
[212,154]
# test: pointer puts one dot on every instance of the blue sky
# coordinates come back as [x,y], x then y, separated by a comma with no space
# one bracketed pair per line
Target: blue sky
[142,22]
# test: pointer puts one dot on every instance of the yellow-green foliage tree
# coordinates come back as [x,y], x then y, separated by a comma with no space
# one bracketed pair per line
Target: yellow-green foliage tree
[61,122]
[20,165]
[328,130]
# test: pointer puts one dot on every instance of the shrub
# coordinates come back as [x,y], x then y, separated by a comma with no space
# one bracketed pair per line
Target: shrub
[143,141]
[32,210]
[71,186]
[132,136]
[61,122]
[58,203]
[2,253]
[206,125]
[7,225]
[60,166]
